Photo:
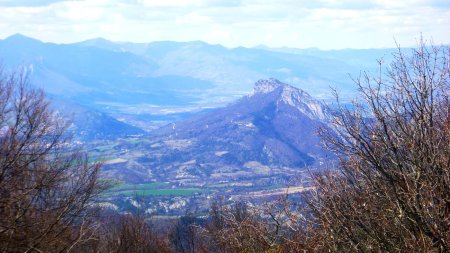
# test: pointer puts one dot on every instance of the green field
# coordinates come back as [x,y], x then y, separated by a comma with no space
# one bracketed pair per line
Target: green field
[122,187]
[151,189]
[161,192]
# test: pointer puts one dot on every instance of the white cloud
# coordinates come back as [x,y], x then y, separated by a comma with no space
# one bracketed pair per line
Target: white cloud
[169,3]
[294,23]
[193,19]
[187,3]
[29,2]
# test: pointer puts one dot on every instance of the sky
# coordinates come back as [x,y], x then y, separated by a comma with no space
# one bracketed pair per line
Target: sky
[324,24]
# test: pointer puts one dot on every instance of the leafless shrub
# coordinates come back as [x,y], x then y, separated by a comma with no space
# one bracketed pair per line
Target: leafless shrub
[45,191]
[391,190]
[186,236]
[272,226]
[127,233]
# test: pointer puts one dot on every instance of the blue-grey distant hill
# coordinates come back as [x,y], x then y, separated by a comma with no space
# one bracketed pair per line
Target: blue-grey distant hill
[87,124]
[99,64]
[236,69]
[142,81]
[92,74]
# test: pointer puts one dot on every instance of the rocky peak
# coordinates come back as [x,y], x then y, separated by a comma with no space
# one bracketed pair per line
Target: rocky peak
[291,96]
[267,85]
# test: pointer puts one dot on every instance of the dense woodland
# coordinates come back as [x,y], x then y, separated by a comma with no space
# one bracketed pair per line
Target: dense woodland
[389,191]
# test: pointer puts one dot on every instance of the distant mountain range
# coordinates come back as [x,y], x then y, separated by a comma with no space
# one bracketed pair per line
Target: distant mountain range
[147,85]
[271,132]
[112,76]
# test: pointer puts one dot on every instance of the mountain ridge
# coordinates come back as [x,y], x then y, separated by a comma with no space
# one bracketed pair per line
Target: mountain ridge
[136,81]
[258,136]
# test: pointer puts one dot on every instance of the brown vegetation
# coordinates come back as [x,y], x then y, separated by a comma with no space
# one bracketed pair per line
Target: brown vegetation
[127,233]
[389,191]
[45,190]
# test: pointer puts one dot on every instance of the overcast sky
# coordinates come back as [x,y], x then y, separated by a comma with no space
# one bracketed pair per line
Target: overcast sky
[325,24]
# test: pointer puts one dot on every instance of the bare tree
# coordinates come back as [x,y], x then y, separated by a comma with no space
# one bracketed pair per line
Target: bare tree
[127,233]
[45,189]
[186,236]
[391,191]
[272,226]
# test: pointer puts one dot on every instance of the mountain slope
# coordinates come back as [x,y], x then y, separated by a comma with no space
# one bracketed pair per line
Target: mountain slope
[92,75]
[271,132]
[89,124]
[140,81]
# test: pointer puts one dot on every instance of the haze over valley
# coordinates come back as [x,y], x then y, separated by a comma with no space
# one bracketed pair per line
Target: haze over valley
[151,84]
[190,117]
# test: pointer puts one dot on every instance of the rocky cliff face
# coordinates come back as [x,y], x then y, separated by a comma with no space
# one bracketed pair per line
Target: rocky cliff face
[291,96]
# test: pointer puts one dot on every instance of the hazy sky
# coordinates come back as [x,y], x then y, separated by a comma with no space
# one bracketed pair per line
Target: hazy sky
[326,24]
